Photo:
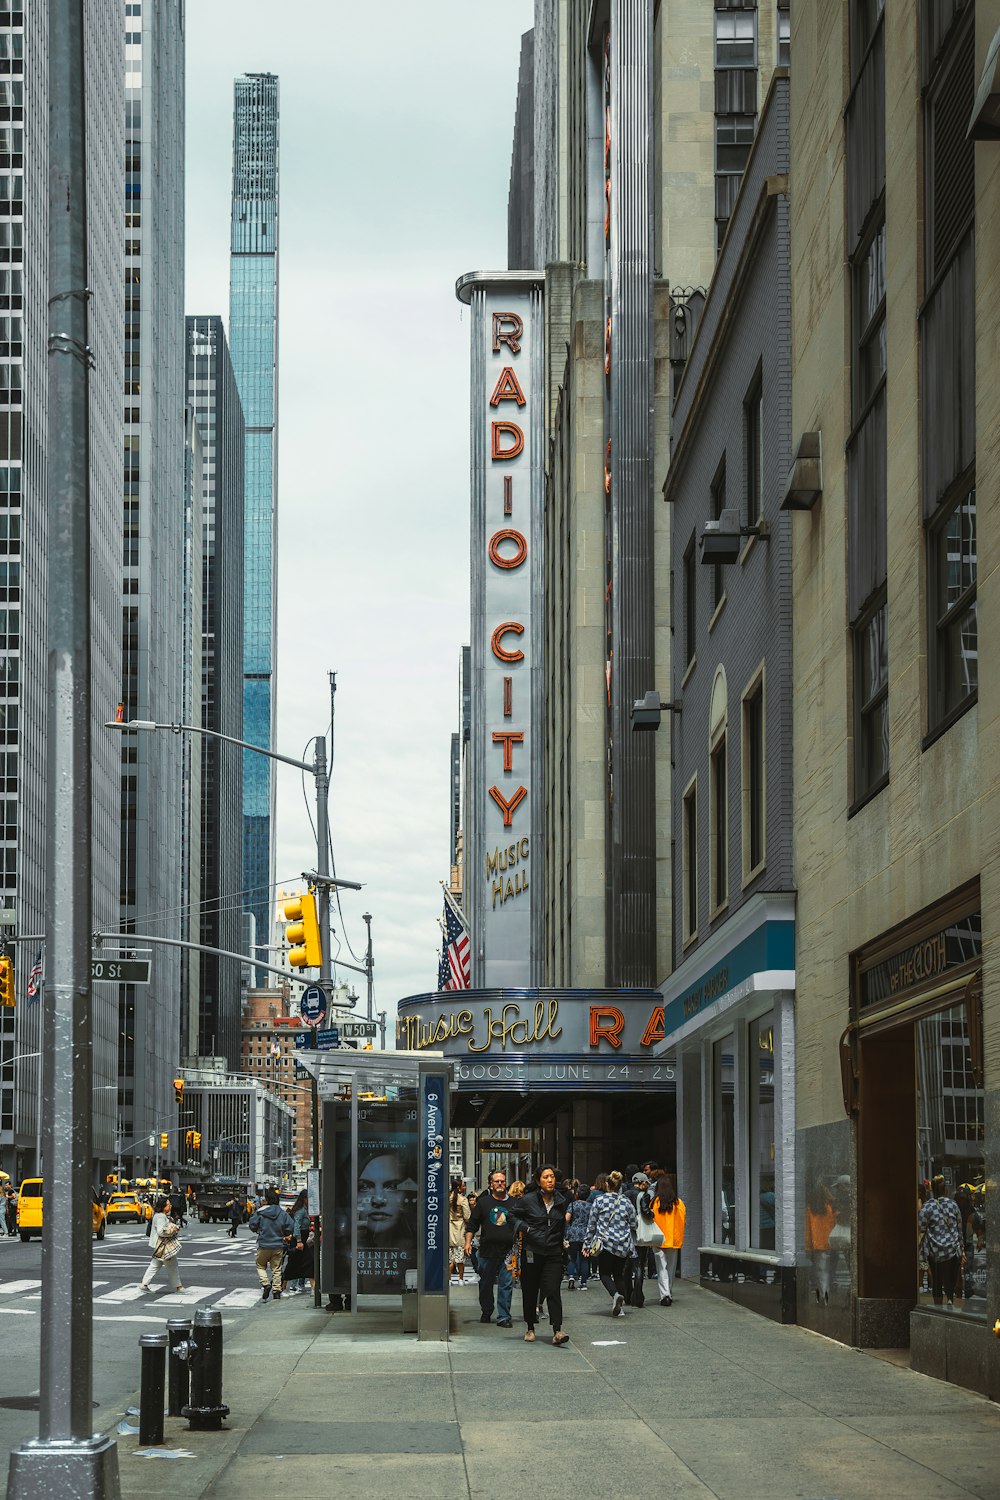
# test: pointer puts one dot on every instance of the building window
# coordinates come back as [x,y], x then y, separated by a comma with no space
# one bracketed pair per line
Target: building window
[690,600]
[753,778]
[871,700]
[736,39]
[719,825]
[784,35]
[763,1144]
[724,1076]
[954,661]
[716,507]
[753,428]
[869,318]
[690,857]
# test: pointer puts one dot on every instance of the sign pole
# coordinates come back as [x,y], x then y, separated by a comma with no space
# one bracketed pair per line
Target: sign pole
[432,1204]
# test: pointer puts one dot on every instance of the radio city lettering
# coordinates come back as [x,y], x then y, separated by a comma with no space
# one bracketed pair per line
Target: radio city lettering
[507,552]
[506,1026]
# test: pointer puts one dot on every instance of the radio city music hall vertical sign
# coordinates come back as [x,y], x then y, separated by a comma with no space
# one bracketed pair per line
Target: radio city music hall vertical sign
[503,864]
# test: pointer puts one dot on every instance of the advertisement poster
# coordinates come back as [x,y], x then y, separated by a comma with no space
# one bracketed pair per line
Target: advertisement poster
[386,1181]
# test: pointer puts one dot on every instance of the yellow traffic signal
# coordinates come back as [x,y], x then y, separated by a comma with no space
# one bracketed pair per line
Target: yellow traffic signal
[179,1090]
[164,1140]
[189,1138]
[196,1139]
[6,980]
[303,932]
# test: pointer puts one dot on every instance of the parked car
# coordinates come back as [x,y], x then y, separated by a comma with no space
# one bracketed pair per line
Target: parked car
[29,1210]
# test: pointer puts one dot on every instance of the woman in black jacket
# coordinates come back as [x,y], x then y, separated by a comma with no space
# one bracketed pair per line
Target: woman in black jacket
[542,1218]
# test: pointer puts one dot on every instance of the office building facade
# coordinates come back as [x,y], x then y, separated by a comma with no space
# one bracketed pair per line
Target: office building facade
[214,399]
[895,767]
[152,610]
[24,541]
[253,340]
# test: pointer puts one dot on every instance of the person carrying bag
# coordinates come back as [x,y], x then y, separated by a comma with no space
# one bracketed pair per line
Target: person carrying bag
[164,1239]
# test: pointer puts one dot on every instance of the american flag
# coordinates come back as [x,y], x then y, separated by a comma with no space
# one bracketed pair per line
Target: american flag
[455,968]
[35,980]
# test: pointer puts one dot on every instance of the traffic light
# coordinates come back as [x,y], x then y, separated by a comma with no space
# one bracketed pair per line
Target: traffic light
[189,1139]
[6,980]
[164,1140]
[303,932]
[179,1090]
[196,1139]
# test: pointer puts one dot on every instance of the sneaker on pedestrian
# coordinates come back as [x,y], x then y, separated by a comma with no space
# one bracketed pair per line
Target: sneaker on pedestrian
[666,1301]
[275,1296]
[486,1318]
[618,1309]
[265,1294]
[572,1284]
[504,1323]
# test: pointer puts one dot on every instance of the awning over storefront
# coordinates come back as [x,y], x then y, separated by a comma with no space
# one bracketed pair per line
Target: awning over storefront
[754,950]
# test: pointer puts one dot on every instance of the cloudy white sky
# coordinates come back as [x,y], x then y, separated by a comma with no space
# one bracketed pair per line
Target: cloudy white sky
[396,124]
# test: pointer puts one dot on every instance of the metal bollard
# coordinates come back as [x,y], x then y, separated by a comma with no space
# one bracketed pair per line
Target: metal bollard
[205,1409]
[154,1360]
[178,1374]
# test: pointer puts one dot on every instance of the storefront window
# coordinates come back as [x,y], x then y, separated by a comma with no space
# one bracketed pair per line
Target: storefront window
[950,1131]
[760,1094]
[724,1058]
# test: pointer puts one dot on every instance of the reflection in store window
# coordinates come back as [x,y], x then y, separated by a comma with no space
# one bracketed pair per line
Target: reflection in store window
[950,1131]
[724,1054]
[760,1062]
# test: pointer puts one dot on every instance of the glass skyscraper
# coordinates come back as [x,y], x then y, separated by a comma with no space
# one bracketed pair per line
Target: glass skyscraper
[253,342]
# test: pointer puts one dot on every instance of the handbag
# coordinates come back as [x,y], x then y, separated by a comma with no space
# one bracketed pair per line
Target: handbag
[648,1236]
[167,1246]
[595,1246]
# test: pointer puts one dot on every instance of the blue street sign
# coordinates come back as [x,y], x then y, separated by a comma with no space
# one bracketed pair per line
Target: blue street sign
[305,1039]
[312,1006]
[327,1040]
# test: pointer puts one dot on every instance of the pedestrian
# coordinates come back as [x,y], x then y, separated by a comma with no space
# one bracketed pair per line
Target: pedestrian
[636,1297]
[611,1231]
[164,1243]
[10,1211]
[299,1266]
[491,1220]
[578,1267]
[273,1229]
[669,1216]
[458,1217]
[821,1216]
[236,1207]
[940,1221]
[541,1216]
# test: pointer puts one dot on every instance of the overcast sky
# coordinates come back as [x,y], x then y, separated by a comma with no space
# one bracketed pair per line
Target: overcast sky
[396,124]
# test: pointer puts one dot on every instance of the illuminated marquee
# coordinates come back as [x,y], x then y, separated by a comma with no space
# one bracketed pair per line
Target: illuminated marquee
[503,822]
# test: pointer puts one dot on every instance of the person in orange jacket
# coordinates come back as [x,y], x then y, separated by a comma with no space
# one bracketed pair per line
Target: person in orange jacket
[669,1215]
[821,1216]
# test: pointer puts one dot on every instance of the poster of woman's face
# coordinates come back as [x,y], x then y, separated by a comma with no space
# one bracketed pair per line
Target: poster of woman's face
[386,1220]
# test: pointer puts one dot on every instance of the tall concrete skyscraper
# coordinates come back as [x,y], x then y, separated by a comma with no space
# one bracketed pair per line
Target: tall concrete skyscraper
[152,578]
[253,339]
[24,541]
[214,1020]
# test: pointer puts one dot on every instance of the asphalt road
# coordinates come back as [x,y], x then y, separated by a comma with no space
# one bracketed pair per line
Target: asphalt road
[216,1271]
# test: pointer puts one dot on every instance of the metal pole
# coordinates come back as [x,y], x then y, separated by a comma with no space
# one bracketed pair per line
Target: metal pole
[369,964]
[67,1460]
[151,1386]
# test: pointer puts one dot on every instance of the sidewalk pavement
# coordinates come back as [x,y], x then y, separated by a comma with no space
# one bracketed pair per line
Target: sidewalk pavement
[697,1400]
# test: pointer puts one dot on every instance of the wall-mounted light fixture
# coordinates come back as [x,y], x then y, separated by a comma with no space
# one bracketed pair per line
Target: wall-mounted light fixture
[721,539]
[985,122]
[645,712]
[805,477]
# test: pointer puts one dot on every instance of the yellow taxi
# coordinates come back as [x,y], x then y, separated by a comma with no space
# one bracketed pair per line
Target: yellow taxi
[125,1208]
[29,1210]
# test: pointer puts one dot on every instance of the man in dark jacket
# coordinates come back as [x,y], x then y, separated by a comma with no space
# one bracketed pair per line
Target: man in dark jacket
[273,1229]
[491,1217]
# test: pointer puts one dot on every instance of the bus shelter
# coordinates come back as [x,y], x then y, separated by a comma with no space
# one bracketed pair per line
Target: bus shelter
[383,1190]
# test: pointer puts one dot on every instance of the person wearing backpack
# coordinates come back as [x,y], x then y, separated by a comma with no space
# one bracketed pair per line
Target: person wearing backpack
[274,1231]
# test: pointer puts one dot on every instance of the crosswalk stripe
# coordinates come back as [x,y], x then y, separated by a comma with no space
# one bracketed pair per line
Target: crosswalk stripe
[8,1288]
[189,1294]
[242,1298]
[122,1294]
